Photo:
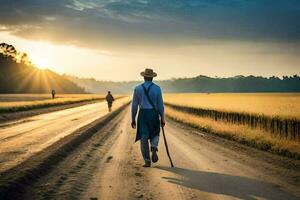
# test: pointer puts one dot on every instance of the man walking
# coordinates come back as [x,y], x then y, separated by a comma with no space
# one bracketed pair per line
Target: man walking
[53,94]
[110,99]
[148,98]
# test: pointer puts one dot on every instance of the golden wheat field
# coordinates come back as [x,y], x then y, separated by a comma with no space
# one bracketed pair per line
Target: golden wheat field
[16,102]
[271,104]
[257,138]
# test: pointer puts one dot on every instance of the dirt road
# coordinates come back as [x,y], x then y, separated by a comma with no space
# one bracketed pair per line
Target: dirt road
[22,139]
[108,166]
[205,169]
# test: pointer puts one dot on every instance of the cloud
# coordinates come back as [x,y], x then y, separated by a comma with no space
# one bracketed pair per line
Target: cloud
[132,23]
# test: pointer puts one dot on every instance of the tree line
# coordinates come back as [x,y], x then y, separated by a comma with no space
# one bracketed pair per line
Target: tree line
[19,75]
[204,84]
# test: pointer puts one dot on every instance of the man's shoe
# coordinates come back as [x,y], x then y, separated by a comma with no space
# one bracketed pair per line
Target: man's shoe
[148,164]
[154,157]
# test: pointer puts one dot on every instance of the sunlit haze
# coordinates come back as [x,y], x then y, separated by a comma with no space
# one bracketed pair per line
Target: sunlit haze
[115,40]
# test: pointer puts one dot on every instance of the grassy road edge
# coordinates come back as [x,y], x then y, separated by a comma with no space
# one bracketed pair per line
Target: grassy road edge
[268,145]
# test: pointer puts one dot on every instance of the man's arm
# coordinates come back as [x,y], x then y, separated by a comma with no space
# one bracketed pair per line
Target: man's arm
[134,108]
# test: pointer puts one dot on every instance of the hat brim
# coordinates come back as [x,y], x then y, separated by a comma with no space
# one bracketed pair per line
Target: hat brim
[147,75]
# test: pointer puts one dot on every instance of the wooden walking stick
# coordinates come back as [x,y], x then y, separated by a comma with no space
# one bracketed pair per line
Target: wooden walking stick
[166,145]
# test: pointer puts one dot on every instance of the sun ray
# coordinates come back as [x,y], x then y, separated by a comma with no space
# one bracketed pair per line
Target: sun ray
[53,82]
[23,82]
[45,81]
[26,82]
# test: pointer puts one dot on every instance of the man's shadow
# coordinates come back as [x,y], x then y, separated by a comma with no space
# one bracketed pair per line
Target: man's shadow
[235,186]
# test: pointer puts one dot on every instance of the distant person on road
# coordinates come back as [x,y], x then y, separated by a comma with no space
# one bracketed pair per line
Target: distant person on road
[53,94]
[148,98]
[110,99]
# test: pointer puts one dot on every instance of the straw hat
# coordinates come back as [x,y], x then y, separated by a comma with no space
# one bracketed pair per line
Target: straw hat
[148,73]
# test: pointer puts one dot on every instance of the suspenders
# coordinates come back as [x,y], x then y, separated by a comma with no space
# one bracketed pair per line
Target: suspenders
[148,97]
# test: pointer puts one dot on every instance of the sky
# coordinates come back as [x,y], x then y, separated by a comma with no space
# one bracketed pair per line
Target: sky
[117,39]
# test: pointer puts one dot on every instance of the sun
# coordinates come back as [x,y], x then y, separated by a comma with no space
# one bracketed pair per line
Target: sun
[41,54]
[40,61]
